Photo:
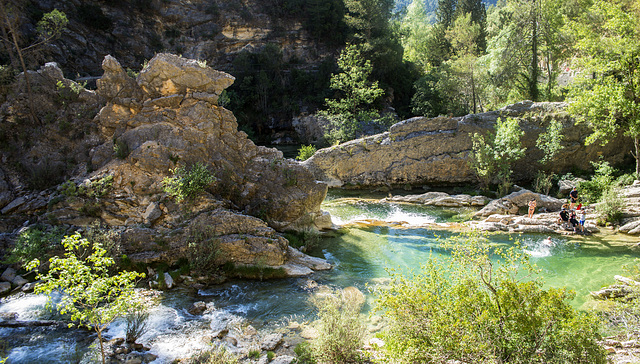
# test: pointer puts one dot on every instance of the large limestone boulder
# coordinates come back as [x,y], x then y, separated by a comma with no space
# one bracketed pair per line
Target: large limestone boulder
[511,203]
[424,150]
[168,117]
[168,74]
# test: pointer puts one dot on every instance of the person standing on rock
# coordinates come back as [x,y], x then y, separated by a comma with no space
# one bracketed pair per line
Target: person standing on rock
[573,196]
[583,218]
[532,207]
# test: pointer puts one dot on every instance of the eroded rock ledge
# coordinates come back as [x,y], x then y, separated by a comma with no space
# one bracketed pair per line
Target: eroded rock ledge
[423,151]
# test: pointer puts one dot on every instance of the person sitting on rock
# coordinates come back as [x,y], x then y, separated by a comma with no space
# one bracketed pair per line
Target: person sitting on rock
[532,207]
[573,196]
[564,217]
[573,221]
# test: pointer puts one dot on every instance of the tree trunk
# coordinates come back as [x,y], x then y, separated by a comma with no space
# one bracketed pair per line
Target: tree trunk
[14,38]
[636,143]
[101,345]
[533,71]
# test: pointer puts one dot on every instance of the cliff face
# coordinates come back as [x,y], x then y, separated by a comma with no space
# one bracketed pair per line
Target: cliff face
[169,117]
[134,31]
[423,151]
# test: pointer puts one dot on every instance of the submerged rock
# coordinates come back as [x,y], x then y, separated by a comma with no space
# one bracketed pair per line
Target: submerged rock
[442,199]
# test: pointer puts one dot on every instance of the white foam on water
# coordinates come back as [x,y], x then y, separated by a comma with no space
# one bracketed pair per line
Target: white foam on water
[398,215]
[27,307]
[395,215]
[540,249]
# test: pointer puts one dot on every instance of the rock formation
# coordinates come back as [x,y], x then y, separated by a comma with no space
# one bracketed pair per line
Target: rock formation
[168,118]
[436,151]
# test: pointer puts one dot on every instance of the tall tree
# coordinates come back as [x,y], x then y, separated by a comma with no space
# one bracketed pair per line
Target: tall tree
[463,37]
[357,93]
[607,94]
[524,35]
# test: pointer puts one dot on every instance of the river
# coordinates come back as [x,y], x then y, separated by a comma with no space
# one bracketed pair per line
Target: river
[377,236]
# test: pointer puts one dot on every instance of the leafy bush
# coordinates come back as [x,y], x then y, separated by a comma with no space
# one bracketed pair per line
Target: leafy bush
[121,148]
[304,353]
[307,238]
[474,309]
[305,152]
[187,183]
[493,154]
[68,189]
[341,328]
[217,355]
[35,242]
[543,182]
[610,206]
[591,191]
[92,297]
[626,179]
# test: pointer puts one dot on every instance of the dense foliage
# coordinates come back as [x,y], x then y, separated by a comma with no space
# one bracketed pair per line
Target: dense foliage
[493,155]
[484,306]
[607,94]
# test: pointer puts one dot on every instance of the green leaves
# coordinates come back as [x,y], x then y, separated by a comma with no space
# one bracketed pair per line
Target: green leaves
[90,296]
[187,183]
[607,92]
[493,155]
[357,95]
[483,306]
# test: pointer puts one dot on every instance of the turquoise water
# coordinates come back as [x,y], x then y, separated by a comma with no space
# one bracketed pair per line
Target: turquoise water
[382,236]
[376,236]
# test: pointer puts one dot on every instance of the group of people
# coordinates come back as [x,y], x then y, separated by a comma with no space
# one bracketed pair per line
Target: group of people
[571,216]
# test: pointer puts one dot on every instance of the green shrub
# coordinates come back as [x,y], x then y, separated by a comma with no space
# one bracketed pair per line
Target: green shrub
[305,152]
[543,182]
[254,353]
[626,179]
[107,237]
[477,309]
[187,183]
[610,206]
[309,238]
[203,255]
[270,355]
[68,189]
[121,149]
[35,242]
[136,324]
[217,355]
[341,328]
[591,191]
[304,354]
